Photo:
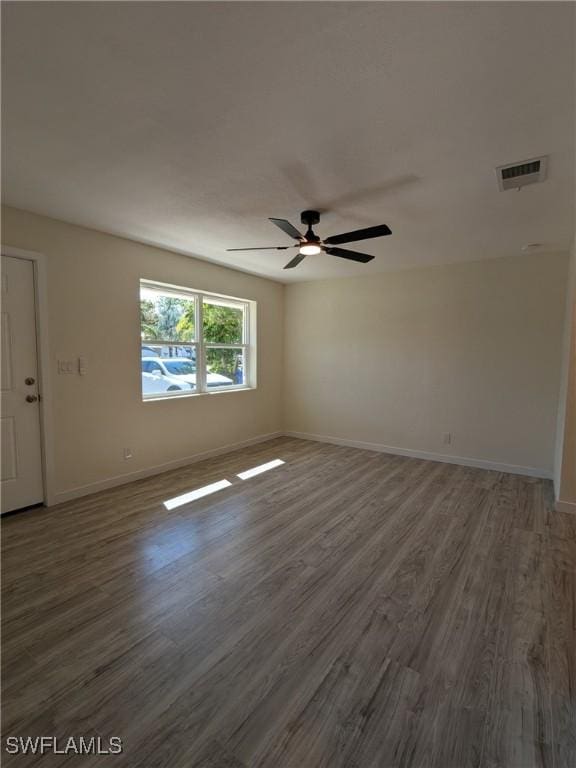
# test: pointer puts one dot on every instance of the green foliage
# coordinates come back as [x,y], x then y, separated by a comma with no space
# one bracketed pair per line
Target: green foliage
[223,361]
[148,320]
[186,325]
[222,325]
[169,319]
[170,311]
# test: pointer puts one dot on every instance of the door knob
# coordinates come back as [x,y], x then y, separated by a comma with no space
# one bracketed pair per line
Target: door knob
[31,398]
[29,381]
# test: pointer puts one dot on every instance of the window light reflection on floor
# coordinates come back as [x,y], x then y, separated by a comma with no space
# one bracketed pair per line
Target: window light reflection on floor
[206,490]
[261,468]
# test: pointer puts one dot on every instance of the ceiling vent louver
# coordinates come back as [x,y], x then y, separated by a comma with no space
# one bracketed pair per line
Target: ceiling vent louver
[518,175]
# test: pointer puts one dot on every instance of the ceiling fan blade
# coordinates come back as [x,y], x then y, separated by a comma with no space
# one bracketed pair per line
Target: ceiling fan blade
[295,261]
[359,234]
[285,226]
[364,258]
[265,248]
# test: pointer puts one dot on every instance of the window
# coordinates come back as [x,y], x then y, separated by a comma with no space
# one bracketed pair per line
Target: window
[193,342]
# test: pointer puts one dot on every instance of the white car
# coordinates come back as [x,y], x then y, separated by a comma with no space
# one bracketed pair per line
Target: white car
[178,373]
[154,384]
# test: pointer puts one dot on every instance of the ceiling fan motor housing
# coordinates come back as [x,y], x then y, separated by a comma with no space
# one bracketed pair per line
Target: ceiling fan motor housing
[310,218]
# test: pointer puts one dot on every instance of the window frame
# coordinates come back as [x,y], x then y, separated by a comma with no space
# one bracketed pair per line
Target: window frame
[247,347]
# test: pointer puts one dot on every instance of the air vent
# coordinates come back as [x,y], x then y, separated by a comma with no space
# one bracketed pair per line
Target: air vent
[518,175]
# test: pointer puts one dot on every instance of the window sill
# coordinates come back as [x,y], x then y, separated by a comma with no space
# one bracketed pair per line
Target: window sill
[186,395]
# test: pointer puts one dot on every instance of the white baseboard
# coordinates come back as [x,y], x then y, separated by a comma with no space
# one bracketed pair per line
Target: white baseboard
[565,506]
[112,482]
[428,455]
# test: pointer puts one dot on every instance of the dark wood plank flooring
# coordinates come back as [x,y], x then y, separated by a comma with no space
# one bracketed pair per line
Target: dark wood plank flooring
[348,609]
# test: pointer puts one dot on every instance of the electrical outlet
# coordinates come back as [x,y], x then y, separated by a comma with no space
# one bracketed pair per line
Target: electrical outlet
[447,438]
[127,453]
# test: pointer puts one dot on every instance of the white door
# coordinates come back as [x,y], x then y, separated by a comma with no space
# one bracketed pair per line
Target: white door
[21,461]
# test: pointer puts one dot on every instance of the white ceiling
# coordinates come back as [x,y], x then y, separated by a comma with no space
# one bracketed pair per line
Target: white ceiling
[188,124]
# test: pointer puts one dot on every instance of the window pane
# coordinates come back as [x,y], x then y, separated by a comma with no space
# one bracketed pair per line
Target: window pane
[225,367]
[166,317]
[223,322]
[168,369]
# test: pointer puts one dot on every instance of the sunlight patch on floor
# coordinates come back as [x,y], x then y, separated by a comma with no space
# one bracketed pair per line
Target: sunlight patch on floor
[259,469]
[206,490]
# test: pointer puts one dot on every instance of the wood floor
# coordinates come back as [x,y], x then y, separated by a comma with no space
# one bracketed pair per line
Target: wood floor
[347,609]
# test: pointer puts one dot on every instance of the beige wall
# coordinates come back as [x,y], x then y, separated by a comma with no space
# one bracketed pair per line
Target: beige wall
[398,359]
[93,285]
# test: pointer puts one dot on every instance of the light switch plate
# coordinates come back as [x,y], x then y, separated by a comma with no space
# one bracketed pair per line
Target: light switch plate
[66,366]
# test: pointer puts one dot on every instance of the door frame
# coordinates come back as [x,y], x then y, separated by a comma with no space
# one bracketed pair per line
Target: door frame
[43,359]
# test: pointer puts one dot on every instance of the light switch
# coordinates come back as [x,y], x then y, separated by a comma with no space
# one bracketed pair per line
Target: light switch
[66,366]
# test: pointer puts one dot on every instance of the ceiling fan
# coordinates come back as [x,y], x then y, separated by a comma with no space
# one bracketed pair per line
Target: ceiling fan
[310,244]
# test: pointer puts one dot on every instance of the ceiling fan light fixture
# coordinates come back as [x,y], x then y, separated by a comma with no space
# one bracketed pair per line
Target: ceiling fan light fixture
[310,249]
